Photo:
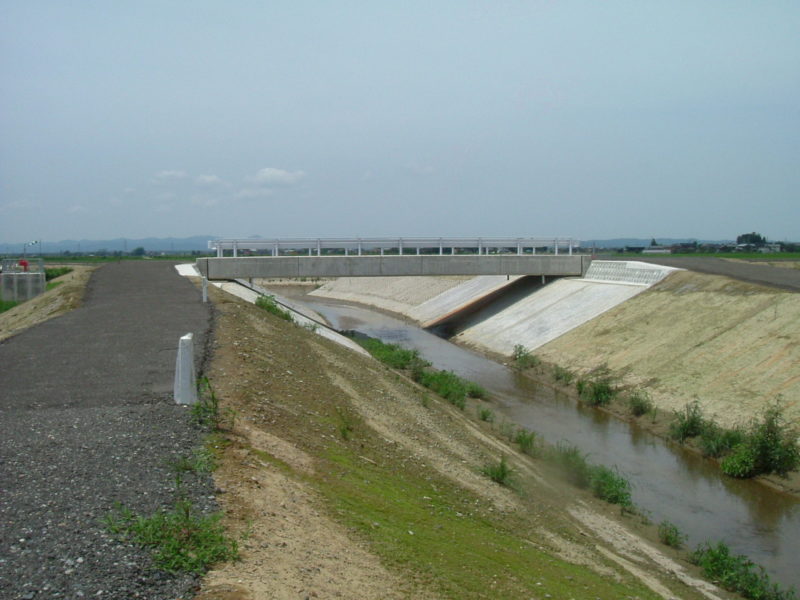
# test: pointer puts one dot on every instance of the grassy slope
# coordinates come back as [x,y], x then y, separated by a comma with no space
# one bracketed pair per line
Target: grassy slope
[405,479]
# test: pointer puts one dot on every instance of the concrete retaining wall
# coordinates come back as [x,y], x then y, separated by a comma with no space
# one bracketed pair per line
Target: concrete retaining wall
[19,287]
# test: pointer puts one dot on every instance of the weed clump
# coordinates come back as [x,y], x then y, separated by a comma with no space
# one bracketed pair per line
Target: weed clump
[181,539]
[523,359]
[605,483]
[597,388]
[526,441]
[499,472]
[485,414]
[269,304]
[670,535]
[640,403]
[737,573]
[688,422]
[563,375]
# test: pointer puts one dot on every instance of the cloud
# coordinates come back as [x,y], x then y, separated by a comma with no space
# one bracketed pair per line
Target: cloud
[249,193]
[77,208]
[207,180]
[270,176]
[170,175]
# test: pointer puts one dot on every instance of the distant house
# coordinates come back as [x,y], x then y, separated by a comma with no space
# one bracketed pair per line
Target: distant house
[770,248]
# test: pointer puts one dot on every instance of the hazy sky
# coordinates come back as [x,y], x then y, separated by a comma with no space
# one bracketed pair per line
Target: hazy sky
[588,119]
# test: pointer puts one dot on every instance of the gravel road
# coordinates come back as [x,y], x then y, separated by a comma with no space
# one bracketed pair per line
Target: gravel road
[787,279]
[87,420]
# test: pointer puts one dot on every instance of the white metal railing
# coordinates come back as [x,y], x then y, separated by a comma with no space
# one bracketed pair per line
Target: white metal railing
[361,246]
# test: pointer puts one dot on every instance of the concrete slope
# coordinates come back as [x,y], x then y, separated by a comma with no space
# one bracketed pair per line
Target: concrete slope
[454,300]
[545,315]
[562,306]
[396,294]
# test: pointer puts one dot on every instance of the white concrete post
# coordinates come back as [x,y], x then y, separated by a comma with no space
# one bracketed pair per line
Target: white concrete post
[205,290]
[185,390]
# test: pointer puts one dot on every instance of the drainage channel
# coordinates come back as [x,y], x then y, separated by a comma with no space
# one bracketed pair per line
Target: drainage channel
[668,482]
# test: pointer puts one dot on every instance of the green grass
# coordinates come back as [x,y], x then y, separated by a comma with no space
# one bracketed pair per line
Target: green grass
[7,305]
[715,441]
[392,355]
[202,460]
[437,532]
[450,386]
[737,573]
[54,272]
[607,484]
[670,535]
[181,539]
[269,304]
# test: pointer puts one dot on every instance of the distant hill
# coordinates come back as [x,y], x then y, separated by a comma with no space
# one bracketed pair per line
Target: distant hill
[622,242]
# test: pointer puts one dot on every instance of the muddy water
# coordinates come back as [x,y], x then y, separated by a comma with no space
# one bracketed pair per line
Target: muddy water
[668,482]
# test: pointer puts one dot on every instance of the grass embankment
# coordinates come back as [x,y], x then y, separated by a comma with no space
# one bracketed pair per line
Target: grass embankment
[400,469]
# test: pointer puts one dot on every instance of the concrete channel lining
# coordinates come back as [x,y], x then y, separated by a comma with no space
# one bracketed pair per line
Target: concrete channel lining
[372,266]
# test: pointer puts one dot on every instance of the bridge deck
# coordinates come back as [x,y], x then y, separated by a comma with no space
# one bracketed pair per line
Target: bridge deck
[382,266]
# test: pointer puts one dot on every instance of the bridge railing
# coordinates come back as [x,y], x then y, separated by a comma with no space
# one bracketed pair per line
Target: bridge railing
[401,246]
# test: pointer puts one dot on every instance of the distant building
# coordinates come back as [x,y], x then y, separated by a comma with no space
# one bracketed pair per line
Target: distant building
[657,250]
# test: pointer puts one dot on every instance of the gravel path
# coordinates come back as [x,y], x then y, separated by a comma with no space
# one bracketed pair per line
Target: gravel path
[87,420]
[787,279]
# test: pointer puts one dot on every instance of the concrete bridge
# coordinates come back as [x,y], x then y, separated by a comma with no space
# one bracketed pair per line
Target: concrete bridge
[373,257]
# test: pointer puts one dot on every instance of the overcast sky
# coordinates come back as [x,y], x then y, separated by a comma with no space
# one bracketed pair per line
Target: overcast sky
[592,119]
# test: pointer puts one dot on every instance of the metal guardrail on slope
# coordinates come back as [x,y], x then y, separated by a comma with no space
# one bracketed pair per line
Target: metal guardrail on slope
[360,246]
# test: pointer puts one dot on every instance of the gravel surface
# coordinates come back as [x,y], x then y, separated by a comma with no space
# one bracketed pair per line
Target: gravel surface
[787,279]
[87,420]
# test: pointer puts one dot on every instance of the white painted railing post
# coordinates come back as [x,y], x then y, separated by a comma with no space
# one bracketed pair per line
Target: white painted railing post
[205,290]
[185,390]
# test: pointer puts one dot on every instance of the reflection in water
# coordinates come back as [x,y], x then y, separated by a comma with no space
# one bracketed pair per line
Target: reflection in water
[668,482]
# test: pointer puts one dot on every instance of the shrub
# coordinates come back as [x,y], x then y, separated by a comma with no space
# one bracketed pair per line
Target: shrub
[269,304]
[688,422]
[607,484]
[181,539]
[769,447]
[499,472]
[670,535]
[485,414]
[563,375]
[716,441]
[523,359]
[526,441]
[737,573]
[639,403]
